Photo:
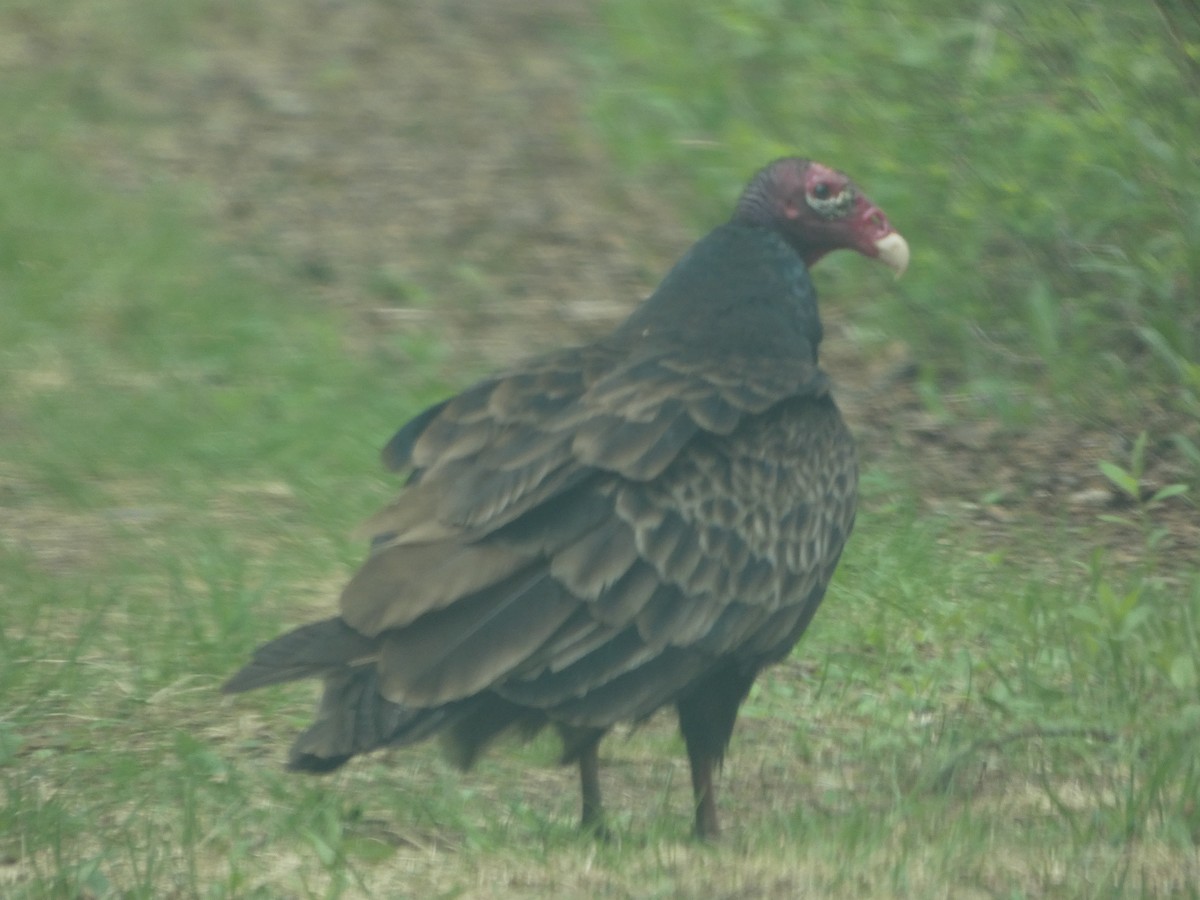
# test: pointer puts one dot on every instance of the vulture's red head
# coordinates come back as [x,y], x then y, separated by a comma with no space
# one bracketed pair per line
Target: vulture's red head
[819,209]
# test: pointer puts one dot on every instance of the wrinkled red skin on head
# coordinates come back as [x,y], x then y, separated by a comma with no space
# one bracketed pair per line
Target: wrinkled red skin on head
[859,230]
[784,194]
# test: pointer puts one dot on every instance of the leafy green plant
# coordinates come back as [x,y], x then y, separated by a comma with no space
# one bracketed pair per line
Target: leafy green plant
[1129,481]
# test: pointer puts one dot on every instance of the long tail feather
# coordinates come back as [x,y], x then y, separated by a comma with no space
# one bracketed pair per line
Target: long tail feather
[309,651]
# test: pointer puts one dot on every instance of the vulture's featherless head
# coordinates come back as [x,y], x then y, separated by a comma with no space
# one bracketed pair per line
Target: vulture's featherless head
[819,209]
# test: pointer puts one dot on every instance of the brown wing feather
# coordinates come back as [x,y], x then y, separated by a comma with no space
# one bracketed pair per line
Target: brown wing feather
[399,584]
[637,692]
[470,645]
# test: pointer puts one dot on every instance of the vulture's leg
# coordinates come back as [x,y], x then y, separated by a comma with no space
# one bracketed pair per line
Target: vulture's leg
[583,746]
[589,783]
[705,793]
[706,717]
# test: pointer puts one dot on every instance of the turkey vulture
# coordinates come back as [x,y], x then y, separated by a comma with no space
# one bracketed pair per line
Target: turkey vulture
[609,529]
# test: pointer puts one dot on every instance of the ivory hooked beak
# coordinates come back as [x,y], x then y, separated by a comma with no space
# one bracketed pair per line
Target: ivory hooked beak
[893,252]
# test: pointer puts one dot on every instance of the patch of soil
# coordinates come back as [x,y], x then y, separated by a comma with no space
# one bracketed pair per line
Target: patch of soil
[422,164]
[1035,486]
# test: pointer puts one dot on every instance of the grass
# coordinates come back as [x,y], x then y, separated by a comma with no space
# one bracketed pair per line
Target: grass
[187,443]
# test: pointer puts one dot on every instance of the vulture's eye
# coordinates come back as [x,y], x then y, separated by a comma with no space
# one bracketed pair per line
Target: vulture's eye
[830,202]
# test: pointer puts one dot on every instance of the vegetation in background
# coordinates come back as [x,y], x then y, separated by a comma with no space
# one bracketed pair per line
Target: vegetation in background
[184,446]
[1041,157]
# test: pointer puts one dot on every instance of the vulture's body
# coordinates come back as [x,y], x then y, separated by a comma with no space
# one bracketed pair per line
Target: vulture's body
[643,522]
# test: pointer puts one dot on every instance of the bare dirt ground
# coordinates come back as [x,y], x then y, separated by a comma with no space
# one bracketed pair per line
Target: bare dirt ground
[428,167]
[424,164]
